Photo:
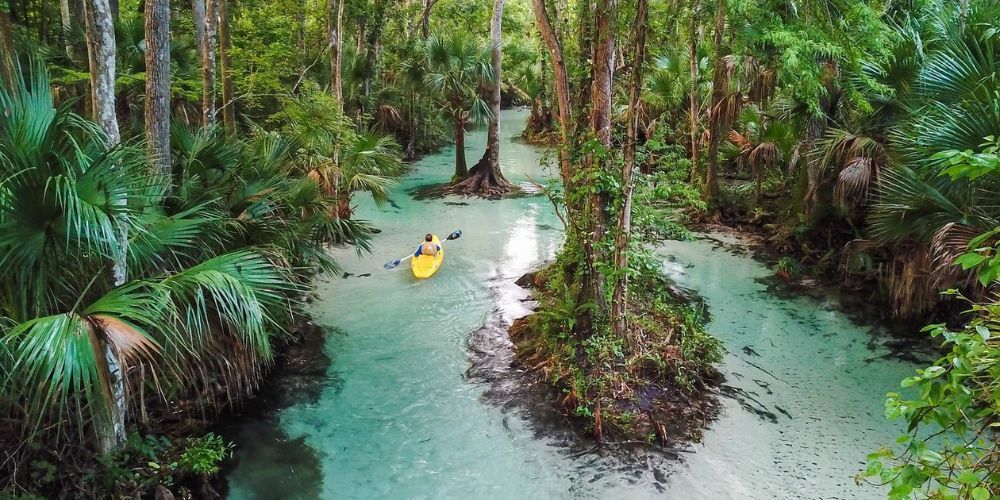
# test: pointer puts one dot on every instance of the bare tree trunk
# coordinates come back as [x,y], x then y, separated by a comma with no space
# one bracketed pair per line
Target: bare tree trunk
[6,48]
[198,14]
[208,63]
[695,176]
[619,301]
[963,13]
[719,91]
[335,26]
[560,80]
[43,25]
[226,69]
[461,169]
[101,52]
[425,19]
[372,44]
[492,154]
[486,178]
[157,112]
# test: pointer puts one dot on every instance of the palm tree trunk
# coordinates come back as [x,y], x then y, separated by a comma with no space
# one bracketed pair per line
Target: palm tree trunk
[208,63]
[461,169]
[695,176]
[619,301]
[486,177]
[157,112]
[226,70]
[101,52]
[492,154]
[335,26]
[719,90]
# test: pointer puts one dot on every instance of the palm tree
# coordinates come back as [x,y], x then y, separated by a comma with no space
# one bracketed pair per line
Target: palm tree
[341,160]
[923,218]
[65,200]
[216,269]
[458,66]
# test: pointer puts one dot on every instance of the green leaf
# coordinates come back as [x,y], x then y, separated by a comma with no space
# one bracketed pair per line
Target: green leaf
[980,493]
[970,260]
[968,477]
[983,332]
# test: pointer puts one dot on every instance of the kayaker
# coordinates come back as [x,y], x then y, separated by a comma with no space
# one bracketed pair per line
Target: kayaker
[428,247]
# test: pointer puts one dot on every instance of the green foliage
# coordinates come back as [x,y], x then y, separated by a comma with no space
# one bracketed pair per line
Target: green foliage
[664,199]
[215,270]
[202,455]
[787,268]
[951,412]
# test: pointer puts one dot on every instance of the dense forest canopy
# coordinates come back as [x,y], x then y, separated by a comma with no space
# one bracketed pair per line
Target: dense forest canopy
[172,174]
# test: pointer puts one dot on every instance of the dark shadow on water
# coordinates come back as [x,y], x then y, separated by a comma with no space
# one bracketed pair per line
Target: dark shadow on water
[437,191]
[272,464]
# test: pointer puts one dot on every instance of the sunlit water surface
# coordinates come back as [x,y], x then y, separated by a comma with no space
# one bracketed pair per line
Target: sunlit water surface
[396,416]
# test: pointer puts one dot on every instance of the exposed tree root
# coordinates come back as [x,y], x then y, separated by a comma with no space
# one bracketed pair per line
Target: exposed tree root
[483,181]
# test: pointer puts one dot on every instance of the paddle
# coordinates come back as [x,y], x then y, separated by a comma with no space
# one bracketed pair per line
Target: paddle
[393,264]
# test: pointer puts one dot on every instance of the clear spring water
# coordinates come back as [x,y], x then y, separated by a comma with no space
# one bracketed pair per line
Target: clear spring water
[397,417]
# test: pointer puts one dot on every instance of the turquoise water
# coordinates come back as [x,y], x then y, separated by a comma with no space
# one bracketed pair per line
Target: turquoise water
[397,415]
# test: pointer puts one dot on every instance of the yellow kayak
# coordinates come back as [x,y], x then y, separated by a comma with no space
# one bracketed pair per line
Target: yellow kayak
[424,266]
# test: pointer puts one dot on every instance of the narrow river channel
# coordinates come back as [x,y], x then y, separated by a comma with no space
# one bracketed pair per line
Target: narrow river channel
[397,417]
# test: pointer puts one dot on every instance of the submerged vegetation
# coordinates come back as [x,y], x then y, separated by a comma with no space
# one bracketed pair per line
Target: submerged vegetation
[173,174]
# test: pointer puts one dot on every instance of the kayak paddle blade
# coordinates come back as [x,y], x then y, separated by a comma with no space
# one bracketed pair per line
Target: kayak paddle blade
[456,235]
[392,265]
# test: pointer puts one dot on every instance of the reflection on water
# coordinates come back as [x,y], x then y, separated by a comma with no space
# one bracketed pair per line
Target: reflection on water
[405,422]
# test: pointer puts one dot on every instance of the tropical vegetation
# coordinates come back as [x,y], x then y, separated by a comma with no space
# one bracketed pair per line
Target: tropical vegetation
[173,174]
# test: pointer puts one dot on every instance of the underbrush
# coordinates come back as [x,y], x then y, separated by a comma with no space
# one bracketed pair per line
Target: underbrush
[649,386]
[142,465]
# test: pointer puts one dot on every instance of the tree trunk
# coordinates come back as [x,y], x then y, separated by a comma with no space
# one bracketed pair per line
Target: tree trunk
[411,139]
[963,13]
[695,175]
[619,302]
[335,26]
[208,63]
[602,77]
[560,79]
[198,14]
[6,49]
[461,169]
[43,25]
[101,52]
[157,112]
[66,27]
[486,178]
[425,19]
[226,68]
[371,45]
[719,89]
